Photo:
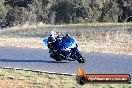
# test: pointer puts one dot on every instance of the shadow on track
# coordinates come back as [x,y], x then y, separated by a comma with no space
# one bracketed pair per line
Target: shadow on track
[14,60]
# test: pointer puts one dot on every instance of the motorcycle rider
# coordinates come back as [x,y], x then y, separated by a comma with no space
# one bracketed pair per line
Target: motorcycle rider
[53,42]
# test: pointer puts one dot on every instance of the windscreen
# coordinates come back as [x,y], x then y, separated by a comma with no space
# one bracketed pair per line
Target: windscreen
[66,40]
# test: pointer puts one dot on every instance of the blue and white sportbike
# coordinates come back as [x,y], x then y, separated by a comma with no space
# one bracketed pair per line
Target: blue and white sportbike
[65,49]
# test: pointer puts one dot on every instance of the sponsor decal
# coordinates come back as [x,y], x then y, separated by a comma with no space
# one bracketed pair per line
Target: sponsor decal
[83,78]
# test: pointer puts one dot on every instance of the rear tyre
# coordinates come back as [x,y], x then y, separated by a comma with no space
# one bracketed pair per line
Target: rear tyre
[57,57]
[80,58]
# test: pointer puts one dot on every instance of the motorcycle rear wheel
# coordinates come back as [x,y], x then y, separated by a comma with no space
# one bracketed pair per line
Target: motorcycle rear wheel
[57,57]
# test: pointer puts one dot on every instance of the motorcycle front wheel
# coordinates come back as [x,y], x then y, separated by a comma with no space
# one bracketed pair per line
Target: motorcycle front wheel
[80,58]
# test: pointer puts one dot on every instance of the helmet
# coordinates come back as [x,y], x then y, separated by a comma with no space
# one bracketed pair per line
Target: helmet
[53,33]
[67,35]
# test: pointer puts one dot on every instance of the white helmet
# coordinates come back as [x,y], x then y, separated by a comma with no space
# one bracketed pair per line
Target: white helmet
[53,33]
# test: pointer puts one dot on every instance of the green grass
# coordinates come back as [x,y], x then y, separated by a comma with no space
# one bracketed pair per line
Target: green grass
[45,80]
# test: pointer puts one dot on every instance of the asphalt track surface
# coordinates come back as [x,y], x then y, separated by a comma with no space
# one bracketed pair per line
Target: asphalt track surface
[39,60]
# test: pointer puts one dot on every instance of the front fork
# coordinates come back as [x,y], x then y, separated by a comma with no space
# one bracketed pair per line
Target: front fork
[74,53]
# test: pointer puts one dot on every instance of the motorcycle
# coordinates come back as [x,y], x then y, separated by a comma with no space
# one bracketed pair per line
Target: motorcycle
[66,50]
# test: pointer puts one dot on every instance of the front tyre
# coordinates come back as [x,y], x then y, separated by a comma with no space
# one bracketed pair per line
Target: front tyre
[80,58]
